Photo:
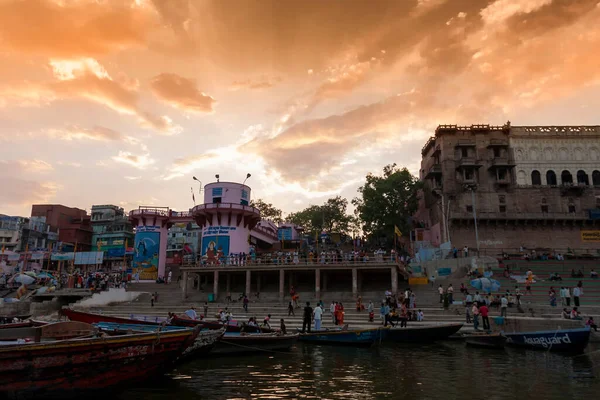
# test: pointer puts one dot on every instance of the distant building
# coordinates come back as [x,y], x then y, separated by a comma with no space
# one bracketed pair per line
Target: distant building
[183,243]
[10,232]
[112,233]
[73,225]
[527,186]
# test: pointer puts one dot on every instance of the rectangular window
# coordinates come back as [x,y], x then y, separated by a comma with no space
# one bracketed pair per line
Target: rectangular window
[244,194]
[571,208]
[545,208]
[216,199]
[244,202]
[469,208]
[217,192]
[496,152]
[502,199]
[502,209]
[464,152]
[469,175]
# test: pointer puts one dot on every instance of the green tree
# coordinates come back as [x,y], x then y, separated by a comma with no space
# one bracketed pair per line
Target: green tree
[331,217]
[385,201]
[267,210]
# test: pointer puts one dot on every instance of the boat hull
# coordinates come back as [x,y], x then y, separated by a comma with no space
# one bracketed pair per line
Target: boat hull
[359,337]
[91,318]
[204,343]
[486,341]
[89,364]
[562,340]
[236,344]
[421,334]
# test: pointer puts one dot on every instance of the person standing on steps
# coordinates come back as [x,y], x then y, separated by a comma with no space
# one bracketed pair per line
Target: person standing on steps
[441,292]
[205,309]
[483,311]
[332,310]
[152,300]
[317,314]
[503,306]
[291,309]
[577,291]
[307,318]
[450,291]
[246,301]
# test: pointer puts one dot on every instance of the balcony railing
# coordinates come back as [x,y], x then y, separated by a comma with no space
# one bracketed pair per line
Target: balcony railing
[502,162]
[435,169]
[468,162]
[483,215]
[498,143]
[465,143]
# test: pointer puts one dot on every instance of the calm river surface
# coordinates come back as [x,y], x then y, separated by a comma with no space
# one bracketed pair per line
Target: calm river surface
[447,370]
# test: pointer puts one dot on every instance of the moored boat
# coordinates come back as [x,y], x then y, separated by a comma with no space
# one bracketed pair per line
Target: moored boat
[204,343]
[350,337]
[231,327]
[93,318]
[421,334]
[235,343]
[563,340]
[491,341]
[90,363]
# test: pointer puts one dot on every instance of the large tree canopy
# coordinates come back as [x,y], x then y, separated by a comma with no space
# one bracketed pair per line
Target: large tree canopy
[330,217]
[267,210]
[386,201]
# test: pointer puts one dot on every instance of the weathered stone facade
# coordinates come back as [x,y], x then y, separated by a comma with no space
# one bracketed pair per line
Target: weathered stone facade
[527,186]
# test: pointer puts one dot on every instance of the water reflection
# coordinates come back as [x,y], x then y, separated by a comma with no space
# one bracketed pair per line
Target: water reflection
[439,371]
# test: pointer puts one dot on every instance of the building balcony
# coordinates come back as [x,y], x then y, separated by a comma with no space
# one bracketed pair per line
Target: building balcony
[434,170]
[502,182]
[498,143]
[521,216]
[468,162]
[573,189]
[501,162]
[437,151]
[465,143]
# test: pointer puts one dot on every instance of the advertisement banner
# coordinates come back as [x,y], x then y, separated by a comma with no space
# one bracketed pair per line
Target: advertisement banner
[62,257]
[89,258]
[590,236]
[145,251]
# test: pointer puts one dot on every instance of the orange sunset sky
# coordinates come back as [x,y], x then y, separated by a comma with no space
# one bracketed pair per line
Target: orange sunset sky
[123,101]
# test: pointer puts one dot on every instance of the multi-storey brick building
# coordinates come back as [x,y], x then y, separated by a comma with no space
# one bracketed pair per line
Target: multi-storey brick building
[530,186]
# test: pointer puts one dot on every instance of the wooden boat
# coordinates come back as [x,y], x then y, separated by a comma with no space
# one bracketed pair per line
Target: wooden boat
[236,343]
[491,341]
[231,327]
[92,318]
[90,363]
[421,334]
[337,336]
[24,324]
[563,340]
[204,343]
[37,332]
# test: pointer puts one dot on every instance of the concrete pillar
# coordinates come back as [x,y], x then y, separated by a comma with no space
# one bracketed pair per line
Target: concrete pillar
[394,280]
[185,285]
[281,285]
[354,282]
[248,281]
[228,275]
[317,284]
[324,286]
[216,285]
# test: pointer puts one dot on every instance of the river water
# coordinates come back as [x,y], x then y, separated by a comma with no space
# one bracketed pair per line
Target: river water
[447,370]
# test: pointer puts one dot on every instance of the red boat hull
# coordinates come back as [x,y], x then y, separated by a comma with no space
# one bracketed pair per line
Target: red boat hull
[91,318]
[89,364]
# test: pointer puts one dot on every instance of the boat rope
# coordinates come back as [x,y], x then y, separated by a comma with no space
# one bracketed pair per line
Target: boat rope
[253,348]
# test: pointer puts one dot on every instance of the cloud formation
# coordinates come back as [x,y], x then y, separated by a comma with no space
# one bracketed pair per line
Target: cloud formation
[141,161]
[22,186]
[181,93]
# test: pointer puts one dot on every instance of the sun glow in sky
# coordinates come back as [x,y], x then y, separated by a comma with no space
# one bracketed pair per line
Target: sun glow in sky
[123,101]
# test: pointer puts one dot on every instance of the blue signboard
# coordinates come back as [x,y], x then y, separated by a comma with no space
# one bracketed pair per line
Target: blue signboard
[594,214]
[217,192]
[284,233]
[444,271]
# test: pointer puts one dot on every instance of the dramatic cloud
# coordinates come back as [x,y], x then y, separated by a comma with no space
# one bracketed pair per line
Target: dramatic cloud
[262,83]
[137,161]
[181,93]
[73,28]
[77,133]
[21,187]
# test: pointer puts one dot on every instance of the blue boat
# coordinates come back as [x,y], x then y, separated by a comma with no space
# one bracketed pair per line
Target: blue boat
[564,340]
[356,337]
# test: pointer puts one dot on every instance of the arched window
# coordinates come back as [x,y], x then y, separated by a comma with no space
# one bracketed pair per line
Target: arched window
[596,178]
[536,178]
[550,178]
[566,177]
[582,177]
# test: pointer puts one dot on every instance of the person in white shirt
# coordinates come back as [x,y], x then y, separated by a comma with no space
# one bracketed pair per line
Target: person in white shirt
[332,310]
[576,293]
[317,313]
[420,315]
[191,313]
[563,300]
[465,251]
[441,292]
[567,293]
[503,306]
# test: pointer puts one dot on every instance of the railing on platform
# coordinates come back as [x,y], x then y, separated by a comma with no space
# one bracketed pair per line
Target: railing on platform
[276,262]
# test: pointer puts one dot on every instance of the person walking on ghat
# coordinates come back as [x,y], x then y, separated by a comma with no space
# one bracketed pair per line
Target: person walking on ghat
[291,309]
[503,306]
[577,291]
[483,311]
[441,292]
[307,318]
